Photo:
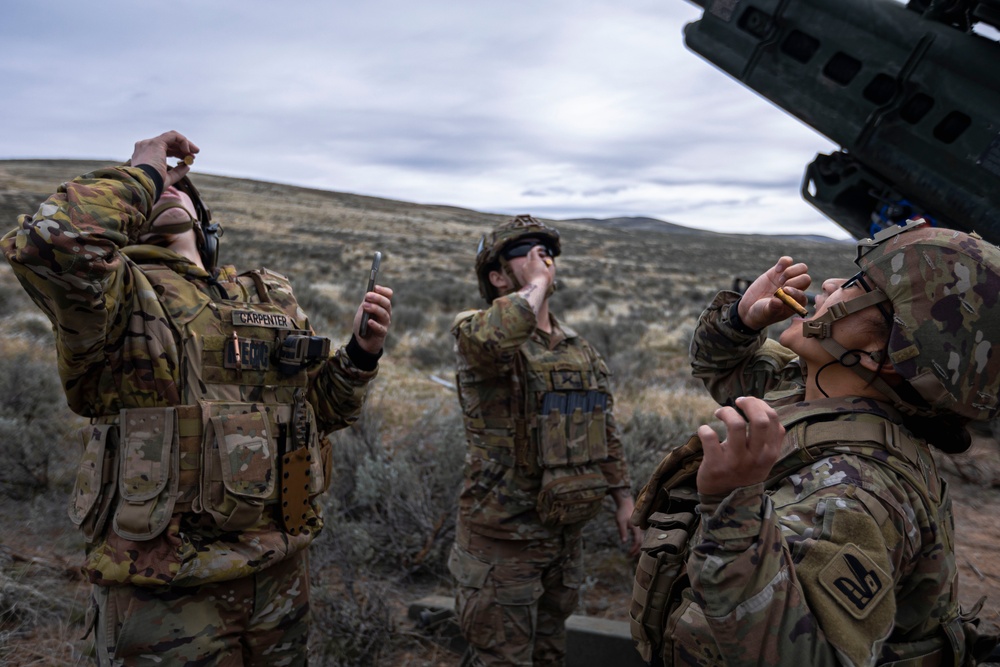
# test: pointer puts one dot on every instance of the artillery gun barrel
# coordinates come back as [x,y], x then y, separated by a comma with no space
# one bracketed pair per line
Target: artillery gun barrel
[913,101]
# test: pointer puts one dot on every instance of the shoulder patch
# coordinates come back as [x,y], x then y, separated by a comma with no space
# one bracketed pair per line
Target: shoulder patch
[855,581]
[271,279]
[269,272]
[462,316]
[776,354]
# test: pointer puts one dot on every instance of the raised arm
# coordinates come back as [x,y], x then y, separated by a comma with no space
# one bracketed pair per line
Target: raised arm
[67,255]
[730,351]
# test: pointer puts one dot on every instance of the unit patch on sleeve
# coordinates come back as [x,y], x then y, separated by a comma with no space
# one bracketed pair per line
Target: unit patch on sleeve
[855,581]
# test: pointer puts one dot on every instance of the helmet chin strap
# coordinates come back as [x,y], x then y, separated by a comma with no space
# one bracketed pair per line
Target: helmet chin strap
[174,228]
[206,233]
[821,329]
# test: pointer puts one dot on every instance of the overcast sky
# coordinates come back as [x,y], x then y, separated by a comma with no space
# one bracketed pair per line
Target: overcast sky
[560,108]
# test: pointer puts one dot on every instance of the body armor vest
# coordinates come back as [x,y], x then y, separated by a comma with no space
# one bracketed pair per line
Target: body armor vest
[569,436]
[244,439]
[542,414]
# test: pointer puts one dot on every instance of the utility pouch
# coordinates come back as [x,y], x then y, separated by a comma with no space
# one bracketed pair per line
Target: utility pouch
[96,480]
[571,428]
[239,468]
[147,480]
[659,574]
[597,434]
[467,570]
[298,351]
[571,494]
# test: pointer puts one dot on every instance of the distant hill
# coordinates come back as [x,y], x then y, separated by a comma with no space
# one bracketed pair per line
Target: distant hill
[328,237]
[634,287]
[654,225]
[640,224]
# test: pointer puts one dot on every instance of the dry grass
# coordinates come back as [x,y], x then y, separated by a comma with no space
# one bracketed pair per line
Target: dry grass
[390,513]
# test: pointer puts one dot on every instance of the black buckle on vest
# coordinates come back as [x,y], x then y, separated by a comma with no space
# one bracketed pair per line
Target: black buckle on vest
[298,351]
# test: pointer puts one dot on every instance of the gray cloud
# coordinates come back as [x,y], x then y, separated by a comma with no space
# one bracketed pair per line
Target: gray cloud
[589,108]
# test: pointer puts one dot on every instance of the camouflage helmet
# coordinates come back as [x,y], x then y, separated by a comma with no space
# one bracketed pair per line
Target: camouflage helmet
[944,287]
[491,245]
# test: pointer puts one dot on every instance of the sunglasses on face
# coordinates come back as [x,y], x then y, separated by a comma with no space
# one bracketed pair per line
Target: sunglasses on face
[523,248]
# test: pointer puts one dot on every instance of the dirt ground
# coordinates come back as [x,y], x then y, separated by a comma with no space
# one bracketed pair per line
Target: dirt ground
[977,547]
[973,478]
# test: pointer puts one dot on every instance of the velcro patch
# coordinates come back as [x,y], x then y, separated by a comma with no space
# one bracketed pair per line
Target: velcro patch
[247,354]
[854,580]
[252,318]
[570,380]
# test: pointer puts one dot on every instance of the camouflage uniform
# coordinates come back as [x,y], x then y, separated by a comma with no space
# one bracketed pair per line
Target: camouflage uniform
[192,421]
[845,555]
[519,575]
[845,560]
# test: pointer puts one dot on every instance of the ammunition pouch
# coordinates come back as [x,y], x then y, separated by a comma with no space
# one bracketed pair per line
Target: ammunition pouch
[242,446]
[219,458]
[148,473]
[240,464]
[572,440]
[660,572]
[571,428]
[94,490]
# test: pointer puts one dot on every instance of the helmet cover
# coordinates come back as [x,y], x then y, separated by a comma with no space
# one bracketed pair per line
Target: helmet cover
[492,244]
[944,287]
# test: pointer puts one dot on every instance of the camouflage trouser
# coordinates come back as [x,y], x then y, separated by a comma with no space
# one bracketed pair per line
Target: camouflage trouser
[514,596]
[262,619]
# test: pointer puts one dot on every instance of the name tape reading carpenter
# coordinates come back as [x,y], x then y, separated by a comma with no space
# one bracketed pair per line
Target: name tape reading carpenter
[254,319]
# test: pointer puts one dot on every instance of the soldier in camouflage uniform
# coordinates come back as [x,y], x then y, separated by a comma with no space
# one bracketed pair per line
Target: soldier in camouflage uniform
[543,453]
[208,395]
[820,530]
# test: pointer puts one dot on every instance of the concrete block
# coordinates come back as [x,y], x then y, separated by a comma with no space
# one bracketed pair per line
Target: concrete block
[590,641]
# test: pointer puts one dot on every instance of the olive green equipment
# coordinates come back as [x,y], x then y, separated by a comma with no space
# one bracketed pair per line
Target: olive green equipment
[908,91]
